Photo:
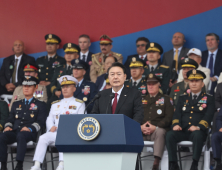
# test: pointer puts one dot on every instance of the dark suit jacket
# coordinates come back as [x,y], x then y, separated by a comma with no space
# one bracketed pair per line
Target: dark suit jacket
[6,72]
[99,82]
[168,57]
[129,104]
[218,96]
[89,60]
[217,66]
[219,120]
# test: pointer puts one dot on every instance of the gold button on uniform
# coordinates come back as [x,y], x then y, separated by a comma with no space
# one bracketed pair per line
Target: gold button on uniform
[47,73]
[46,79]
[47,68]
[192,107]
[189,123]
[191,112]
[190,117]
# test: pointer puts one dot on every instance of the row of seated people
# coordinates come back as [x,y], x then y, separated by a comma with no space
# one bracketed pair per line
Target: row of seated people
[159,116]
[209,61]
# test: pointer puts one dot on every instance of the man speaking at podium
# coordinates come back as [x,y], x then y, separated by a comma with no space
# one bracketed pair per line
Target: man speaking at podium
[119,99]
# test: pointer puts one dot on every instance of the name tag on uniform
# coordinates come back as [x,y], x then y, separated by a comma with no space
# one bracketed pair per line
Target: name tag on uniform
[20,107]
[72,107]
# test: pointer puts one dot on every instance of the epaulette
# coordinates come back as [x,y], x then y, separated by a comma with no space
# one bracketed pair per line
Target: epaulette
[183,94]
[209,94]
[126,80]
[78,100]
[164,66]
[56,101]
[117,54]
[93,55]
[146,67]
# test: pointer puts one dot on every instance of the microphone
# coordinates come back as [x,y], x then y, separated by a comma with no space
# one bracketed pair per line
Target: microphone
[96,97]
[112,95]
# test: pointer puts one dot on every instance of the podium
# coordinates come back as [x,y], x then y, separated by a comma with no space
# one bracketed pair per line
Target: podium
[99,141]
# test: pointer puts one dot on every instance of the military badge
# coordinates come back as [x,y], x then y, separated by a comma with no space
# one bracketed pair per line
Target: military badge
[151,44]
[151,75]
[184,108]
[77,61]
[177,90]
[100,60]
[159,111]
[15,98]
[61,71]
[200,108]
[127,85]
[84,99]
[19,107]
[194,71]
[69,45]
[186,60]
[143,91]
[204,105]
[134,59]
[67,112]
[55,64]
[88,128]
[16,116]
[33,106]
[11,67]
[159,75]
[86,90]
[50,36]
[32,115]
[188,91]
[57,116]
[161,101]
[144,101]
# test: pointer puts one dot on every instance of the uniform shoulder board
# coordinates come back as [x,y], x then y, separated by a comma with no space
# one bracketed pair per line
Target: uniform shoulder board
[146,67]
[126,80]
[183,94]
[93,55]
[56,101]
[117,54]
[80,101]
[164,66]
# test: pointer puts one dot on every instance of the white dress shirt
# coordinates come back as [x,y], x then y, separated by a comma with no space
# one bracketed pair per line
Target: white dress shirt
[137,81]
[154,66]
[195,94]
[118,96]
[19,59]
[174,52]
[144,56]
[86,54]
[50,57]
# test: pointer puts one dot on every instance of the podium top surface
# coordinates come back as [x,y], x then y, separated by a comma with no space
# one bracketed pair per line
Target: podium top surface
[115,133]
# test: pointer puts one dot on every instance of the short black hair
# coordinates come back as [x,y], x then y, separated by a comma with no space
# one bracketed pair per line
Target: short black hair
[111,56]
[143,39]
[84,36]
[213,34]
[116,64]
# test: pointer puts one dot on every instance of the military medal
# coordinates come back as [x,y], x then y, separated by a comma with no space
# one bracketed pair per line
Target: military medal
[144,101]
[32,115]
[175,97]
[85,99]
[11,67]
[204,105]
[184,108]
[200,108]
[16,116]
[57,116]
[159,111]
[67,112]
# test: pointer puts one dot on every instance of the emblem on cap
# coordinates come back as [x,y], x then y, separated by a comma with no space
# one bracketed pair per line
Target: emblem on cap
[88,128]
[64,79]
[134,59]
[194,72]
[69,45]
[151,76]
[186,60]
[193,49]
[151,44]
[77,61]
[28,66]
[50,35]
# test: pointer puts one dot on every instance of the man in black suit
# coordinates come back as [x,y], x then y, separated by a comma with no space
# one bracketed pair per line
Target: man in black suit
[11,73]
[212,59]
[85,54]
[141,43]
[177,53]
[218,97]
[127,101]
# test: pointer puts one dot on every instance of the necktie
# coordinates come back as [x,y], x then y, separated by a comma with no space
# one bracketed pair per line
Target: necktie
[68,69]
[152,69]
[142,57]
[134,83]
[114,104]
[176,59]
[211,65]
[27,104]
[14,72]
[84,57]
[195,98]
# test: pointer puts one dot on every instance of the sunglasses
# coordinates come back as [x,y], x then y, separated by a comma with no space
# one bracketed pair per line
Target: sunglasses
[142,45]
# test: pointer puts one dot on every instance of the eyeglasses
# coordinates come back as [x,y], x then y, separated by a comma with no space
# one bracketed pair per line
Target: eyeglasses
[142,45]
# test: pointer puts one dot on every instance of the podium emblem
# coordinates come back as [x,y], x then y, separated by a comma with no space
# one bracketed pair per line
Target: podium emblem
[88,128]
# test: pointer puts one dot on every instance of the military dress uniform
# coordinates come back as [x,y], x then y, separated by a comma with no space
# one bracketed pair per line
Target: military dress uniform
[191,112]
[4,113]
[97,66]
[161,71]
[158,111]
[65,106]
[24,113]
[47,66]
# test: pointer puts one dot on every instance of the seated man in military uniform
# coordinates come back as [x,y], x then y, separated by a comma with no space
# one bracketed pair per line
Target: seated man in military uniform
[158,113]
[71,52]
[97,66]
[136,71]
[30,69]
[191,120]
[183,86]
[68,105]
[27,117]
[154,51]
[47,64]
[4,113]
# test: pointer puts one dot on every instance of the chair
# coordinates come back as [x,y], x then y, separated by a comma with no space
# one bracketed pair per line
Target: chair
[146,145]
